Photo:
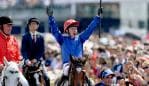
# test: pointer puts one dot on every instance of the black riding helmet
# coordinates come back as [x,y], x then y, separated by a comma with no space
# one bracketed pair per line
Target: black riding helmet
[29,22]
[5,20]
[33,20]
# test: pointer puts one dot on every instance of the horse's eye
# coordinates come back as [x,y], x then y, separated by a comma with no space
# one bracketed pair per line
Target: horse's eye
[11,71]
[16,71]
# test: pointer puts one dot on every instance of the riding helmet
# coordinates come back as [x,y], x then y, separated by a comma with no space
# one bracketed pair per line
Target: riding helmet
[33,20]
[70,23]
[5,20]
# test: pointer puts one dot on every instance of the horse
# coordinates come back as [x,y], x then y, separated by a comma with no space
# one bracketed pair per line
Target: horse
[11,75]
[76,74]
[34,74]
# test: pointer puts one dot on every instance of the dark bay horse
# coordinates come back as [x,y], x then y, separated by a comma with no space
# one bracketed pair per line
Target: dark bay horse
[34,74]
[76,74]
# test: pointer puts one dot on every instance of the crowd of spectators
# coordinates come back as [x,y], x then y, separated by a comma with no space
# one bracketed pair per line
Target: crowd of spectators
[112,60]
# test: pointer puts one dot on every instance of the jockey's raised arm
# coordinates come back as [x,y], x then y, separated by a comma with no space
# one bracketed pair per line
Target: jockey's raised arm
[89,30]
[54,30]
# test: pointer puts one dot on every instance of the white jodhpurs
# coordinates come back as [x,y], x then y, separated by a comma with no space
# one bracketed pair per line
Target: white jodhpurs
[66,69]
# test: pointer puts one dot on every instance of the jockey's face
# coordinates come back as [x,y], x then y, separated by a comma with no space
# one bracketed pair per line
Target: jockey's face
[7,29]
[33,26]
[73,31]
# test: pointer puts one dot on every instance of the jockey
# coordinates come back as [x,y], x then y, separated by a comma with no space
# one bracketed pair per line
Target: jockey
[33,45]
[9,47]
[32,42]
[71,43]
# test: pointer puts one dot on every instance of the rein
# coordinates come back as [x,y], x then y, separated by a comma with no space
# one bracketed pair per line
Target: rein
[36,71]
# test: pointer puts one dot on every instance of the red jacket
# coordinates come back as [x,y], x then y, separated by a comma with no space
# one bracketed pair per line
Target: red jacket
[9,48]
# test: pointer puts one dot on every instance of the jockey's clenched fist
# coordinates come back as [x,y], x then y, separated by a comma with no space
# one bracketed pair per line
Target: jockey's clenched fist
[49,11]
[28,62]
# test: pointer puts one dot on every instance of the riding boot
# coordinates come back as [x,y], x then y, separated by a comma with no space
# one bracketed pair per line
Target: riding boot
[63,78]
[47,79]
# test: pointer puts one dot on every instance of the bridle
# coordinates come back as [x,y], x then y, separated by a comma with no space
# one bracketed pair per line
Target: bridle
[33,72]
[76,67]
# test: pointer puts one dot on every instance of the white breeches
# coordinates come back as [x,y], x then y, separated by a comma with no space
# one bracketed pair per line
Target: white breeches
[66,68]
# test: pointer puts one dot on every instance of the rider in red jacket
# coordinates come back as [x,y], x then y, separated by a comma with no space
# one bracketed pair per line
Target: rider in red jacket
[9,47]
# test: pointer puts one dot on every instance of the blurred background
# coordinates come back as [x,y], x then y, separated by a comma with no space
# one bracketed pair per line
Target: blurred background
[118,15]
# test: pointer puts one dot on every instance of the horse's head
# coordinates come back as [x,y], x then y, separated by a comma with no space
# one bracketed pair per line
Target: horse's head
[11,74]
[78,63]
[76,73]
[34,73]
[34,67]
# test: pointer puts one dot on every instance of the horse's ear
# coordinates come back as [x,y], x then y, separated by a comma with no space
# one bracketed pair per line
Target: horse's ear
[21,63]
[84,59]
[5,61]
[71,58]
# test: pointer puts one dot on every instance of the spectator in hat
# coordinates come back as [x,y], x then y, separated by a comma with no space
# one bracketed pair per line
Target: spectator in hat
[106,77]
